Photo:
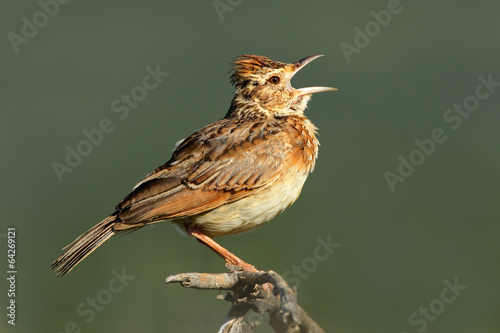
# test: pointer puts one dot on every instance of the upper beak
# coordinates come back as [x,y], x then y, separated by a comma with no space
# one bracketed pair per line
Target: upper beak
[309,90]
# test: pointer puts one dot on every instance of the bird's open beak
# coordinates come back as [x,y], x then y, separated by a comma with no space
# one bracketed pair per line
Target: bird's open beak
[309,90]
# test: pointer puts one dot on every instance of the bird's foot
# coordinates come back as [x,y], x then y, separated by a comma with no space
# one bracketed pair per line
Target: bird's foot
[243,266]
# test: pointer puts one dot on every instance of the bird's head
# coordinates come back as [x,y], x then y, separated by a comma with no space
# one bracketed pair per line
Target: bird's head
[267,84]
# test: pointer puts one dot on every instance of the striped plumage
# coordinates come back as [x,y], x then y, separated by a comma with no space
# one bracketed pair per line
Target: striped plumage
[230,176]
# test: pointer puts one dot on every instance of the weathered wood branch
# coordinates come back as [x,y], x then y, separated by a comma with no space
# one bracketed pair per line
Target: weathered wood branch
[262,292]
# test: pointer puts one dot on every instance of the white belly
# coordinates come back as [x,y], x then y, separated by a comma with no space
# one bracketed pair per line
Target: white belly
[250,212]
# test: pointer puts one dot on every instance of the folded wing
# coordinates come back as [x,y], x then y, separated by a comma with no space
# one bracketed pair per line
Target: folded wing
[218,164]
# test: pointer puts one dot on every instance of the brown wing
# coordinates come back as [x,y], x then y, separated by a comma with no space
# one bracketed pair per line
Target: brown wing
[221,163]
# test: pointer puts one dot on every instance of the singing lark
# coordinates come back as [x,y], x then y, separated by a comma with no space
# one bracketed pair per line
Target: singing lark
[230,176]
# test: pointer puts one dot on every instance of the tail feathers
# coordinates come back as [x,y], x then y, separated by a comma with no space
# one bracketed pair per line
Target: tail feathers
[84,245]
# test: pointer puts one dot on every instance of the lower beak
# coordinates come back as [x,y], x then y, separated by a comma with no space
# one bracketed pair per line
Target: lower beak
[313,90]
[309,90]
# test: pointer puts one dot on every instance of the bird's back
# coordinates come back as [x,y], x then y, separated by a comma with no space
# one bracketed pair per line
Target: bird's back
[223,163]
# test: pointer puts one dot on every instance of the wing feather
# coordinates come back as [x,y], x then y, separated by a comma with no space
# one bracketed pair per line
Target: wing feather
[218,164]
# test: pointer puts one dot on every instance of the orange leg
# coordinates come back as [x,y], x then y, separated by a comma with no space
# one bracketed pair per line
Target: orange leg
[222,252]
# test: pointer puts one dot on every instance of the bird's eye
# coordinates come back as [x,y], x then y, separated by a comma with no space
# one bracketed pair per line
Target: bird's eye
[274,79]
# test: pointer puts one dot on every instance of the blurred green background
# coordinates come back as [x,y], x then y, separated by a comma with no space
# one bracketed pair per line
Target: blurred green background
[397,248]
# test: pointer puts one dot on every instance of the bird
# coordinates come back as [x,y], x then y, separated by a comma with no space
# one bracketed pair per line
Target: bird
[230,176]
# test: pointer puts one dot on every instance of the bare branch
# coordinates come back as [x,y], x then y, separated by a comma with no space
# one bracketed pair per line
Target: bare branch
[262,292]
